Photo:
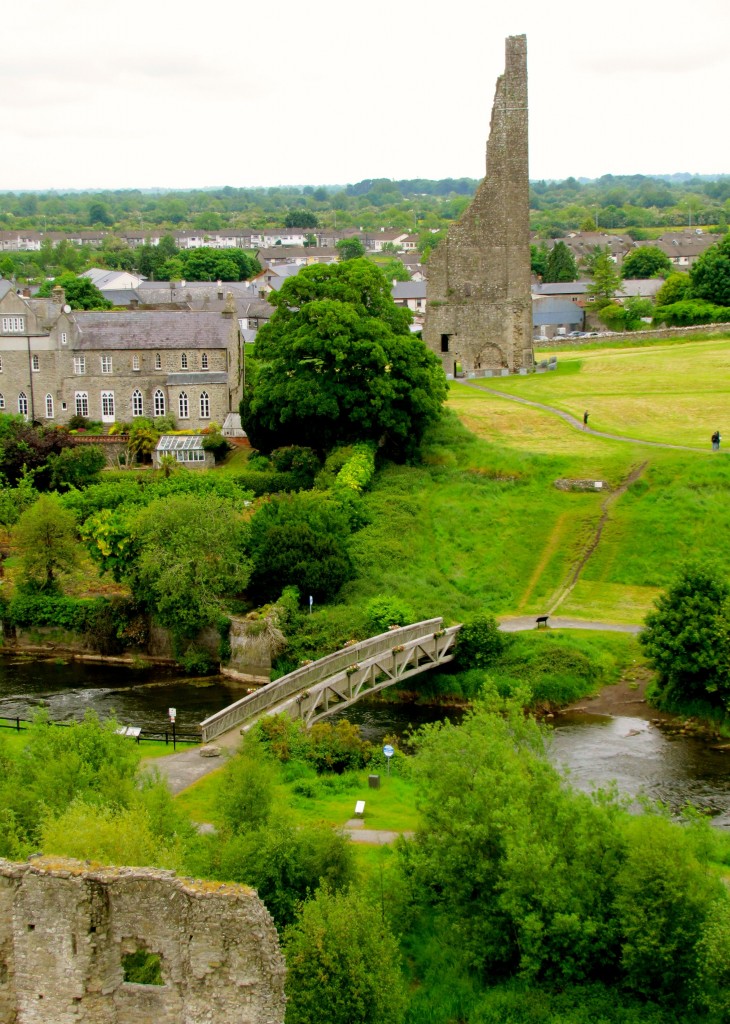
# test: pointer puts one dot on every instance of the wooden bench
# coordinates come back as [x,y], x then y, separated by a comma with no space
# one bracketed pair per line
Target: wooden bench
[541,620]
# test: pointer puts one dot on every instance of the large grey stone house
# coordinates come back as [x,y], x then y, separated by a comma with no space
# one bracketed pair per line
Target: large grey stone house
[115,366]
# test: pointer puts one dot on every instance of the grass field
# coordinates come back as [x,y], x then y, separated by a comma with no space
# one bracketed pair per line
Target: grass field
[480,525]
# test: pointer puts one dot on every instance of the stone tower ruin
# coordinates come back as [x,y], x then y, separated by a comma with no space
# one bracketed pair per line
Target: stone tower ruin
[479,312]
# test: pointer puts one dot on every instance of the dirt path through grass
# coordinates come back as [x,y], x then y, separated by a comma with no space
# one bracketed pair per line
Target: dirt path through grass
[594,541]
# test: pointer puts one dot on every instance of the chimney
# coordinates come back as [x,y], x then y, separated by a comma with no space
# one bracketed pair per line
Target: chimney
[58,295]
[230,307]
[134,303]
[26,293]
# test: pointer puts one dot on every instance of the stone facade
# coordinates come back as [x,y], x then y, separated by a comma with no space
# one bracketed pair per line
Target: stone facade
[479,312]
[118,365]
[65,928]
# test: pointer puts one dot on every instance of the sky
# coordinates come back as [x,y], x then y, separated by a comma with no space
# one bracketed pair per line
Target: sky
[310,92]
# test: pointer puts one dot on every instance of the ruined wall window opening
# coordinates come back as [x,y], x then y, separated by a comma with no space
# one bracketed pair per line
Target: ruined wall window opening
[142,968]
[445,340]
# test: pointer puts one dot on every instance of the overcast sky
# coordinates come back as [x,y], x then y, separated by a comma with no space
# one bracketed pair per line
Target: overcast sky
[184,95]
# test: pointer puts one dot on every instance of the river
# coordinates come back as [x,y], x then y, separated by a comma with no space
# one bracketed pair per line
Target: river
[594,749]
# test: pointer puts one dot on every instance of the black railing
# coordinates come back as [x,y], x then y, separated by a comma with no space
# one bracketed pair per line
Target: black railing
[168,737]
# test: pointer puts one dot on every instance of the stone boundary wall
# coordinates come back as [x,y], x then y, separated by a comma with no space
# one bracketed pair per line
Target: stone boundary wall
[65,927]
[661,334]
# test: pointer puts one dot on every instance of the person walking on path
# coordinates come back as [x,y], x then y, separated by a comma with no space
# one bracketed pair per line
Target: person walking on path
[585,419]
[716,441]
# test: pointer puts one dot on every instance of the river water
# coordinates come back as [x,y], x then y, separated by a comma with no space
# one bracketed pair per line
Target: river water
[595,749]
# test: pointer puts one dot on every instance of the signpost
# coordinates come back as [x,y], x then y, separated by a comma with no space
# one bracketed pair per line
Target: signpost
[172,712]
[388,751]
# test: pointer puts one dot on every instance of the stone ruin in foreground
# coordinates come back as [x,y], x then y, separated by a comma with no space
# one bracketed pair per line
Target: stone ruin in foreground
[67,930]
[479,311]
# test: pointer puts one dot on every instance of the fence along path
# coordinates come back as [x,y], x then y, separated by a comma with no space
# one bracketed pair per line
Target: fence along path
[314,691]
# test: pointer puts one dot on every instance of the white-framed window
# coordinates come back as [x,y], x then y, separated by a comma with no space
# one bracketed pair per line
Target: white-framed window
[204,361]
[23,403]
[81,399]
[204,406]
[1,364]
[64,338]
[107,406]
[184,361]
[135,362]
[137,403]
[49,407]
[158,361]
[79,364]
[159,403]
[183,406]
[13,324]
[2,401]
[106,364]
[35,363]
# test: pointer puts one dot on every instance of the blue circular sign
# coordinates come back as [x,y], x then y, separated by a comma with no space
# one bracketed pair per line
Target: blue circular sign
[388,750]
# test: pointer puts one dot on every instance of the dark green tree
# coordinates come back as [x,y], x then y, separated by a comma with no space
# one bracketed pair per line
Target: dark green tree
[338,363]
[710,275]
[81,293]
[78,466]
[538,259]
[560,264]
[300,540]
[45,538]
[676,288]
[606,278]
[646,261]
[301,219]
[343,964]
[350,248]
[687,636]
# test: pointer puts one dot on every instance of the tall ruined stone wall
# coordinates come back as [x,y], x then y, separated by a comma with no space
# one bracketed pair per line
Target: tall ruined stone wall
[479,310]
[65,927]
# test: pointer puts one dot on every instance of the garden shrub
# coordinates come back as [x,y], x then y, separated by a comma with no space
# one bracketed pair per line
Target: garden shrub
[357,473]
[385,611]
[479,643]
[302,463]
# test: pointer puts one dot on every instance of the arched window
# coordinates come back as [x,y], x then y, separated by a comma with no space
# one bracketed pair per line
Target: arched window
[159,400]
[35,362]
[158,361]
[2,401]
[184,361]
[204,406]
[204,361]
[137,403]
[49,407]
[23,403]
[183,406]
[82,403]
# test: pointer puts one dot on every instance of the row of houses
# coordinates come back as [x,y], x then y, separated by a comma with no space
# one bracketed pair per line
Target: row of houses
[374,241]
[682,248]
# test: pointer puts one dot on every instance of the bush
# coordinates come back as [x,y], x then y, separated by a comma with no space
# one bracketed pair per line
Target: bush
[479,643]
[302,463]
[359,469]
[269,482]
[385,611]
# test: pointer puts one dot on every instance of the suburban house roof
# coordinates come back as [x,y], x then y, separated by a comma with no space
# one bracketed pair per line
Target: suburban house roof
[408,290]
[130,329]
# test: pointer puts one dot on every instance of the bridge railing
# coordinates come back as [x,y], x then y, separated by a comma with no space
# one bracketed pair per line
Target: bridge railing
[302,678]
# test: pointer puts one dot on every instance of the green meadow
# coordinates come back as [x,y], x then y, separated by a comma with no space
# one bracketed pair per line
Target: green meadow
[479,525]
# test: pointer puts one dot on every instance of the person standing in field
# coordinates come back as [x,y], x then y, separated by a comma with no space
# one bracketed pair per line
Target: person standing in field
[585,419]
[716,441]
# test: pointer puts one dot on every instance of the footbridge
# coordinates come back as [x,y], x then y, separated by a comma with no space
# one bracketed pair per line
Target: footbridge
[312,692]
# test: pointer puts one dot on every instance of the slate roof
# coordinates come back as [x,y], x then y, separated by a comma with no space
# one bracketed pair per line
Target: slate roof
[178,379]
[409,290]
[135,329]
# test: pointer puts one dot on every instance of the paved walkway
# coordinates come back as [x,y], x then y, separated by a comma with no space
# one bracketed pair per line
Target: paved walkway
[577,424]
[522,623]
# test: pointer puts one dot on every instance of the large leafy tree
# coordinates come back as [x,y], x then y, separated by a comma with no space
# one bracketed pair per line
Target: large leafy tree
[81,293]
[646,261]
[710,275]
[687,636]
[338,363]
[560,264]
[606,278]
[45,537]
